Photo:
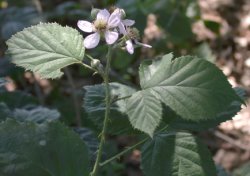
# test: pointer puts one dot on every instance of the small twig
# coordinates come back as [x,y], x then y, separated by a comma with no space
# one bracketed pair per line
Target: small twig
[74,97]
[124,151]
[38,6]
[88,67]
[121,98]
[130,148]
[231,141]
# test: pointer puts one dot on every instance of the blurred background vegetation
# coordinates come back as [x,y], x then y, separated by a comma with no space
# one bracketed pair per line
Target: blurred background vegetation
[216,30]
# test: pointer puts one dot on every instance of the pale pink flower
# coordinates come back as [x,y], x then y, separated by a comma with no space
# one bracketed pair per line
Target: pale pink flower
[104,24]
[130,46]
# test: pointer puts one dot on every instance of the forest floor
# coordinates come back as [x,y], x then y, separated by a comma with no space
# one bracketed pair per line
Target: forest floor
[232,51]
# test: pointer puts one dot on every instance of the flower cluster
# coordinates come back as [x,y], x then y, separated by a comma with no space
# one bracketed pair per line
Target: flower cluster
[111,26]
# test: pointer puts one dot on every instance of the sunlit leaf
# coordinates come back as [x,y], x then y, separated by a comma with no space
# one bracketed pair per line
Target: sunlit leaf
[227,114]
[46,48]
[193,88]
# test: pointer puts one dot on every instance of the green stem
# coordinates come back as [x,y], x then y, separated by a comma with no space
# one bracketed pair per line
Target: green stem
[121,98]
[90,57]
[88,67]
[107,112]
[123,152]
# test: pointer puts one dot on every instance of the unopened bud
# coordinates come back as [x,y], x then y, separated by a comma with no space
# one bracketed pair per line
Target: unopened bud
[133,33]
[94,12]
[123,14]
[96,64]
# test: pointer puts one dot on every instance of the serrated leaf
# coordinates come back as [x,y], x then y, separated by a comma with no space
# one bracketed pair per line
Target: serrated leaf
[193,88]
[94,104]
[144,111]
[176,154]
[52,147]
[227,114]
[46,48]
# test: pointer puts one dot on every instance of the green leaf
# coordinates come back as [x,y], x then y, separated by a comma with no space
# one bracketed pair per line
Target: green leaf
[2,82]
[46,48]
[144,111]
[90,140]
[52,147]
[5,112]
[227,114]
[176,154]
[94,105]
[193,88]
[17,99]
[12,164]
[32,113]
[37,114]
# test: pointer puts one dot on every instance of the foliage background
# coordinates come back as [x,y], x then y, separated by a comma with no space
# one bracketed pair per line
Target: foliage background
[217,30]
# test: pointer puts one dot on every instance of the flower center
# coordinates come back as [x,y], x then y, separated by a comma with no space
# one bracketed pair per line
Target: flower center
[100,25]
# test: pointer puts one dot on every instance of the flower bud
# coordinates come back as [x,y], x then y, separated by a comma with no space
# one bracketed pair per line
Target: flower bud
[96,64]
[133,33]
[123,14]
[94,12]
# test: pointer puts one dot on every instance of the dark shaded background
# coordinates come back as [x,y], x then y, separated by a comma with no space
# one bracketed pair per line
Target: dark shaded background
[217,30]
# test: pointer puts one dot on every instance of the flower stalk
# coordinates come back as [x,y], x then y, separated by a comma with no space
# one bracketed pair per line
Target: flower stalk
[107,112]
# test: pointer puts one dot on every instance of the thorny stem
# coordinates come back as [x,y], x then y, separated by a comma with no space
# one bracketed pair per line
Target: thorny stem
[129,148]
[107,112]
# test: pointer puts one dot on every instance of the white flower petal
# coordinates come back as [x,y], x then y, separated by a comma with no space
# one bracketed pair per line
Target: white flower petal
[92,40]
[111,37]
[128,22]
[122,29]
[129,47]
[142,44]
[114,19]
[85,26]
[103,15]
